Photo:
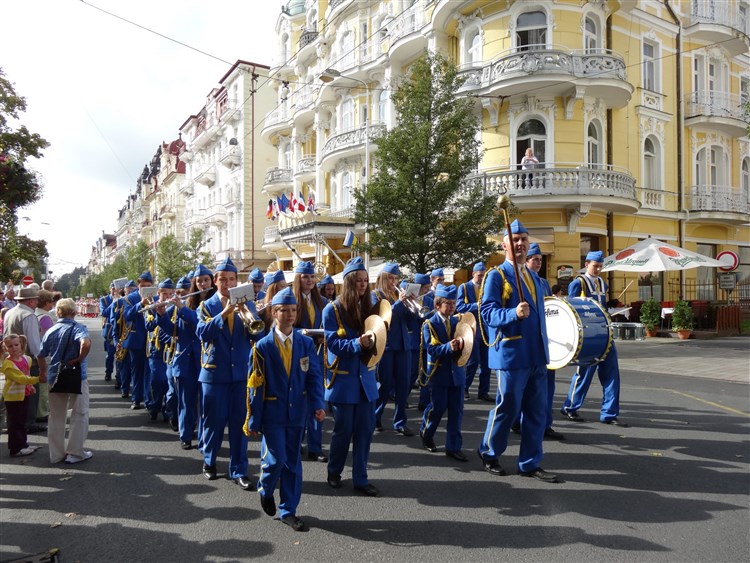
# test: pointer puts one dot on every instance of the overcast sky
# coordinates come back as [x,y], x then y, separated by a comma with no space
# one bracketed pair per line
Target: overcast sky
[105,93]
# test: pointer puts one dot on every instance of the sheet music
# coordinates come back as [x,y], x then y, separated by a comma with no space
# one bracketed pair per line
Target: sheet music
[241,294]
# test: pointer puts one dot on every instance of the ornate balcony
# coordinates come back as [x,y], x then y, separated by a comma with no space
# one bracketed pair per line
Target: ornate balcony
[307,38]
[554,71]
[657,199]
[351,142]
[304,106]
[403,40]
[718,22]
[231,156]
[297,227]
[207,176]
[562,184]
[216,215]
[277,180]
[717,204]
[718,110]
[305,168]
[276,121]
[271,239]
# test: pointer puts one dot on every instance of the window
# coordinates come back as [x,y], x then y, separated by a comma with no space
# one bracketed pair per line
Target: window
[284,49]
[745,180]
[347,115]
[382,106]
[287,155]
[532,133]
[475,49]
[531,31]
[346,53]
[650,286]
[346,190]
[594,145]
[705,277]
[650,66]
[591,35]
[650,165]
[744,89]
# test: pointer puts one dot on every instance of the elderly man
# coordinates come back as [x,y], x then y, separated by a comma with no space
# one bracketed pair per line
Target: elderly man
[22,320]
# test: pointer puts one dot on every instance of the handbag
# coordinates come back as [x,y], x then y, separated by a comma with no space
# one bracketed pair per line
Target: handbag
[68,379]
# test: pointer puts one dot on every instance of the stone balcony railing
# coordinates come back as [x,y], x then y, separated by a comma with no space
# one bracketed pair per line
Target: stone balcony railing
[721,13]
[277,175]
[280,115]
[721,199]
[558,179]
[352,138]
[306,38]
[408,22]
[540,59]
[714,104]
[305,165]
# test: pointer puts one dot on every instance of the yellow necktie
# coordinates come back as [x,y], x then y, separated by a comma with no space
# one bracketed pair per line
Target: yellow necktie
[448,327]
[310,311]
[529,283]
[230,322]
[287,356]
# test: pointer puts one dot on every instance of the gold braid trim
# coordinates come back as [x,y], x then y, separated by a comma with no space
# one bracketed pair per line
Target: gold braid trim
[256,378]
[507,292]
[333,368]
[423,377]
[169,349]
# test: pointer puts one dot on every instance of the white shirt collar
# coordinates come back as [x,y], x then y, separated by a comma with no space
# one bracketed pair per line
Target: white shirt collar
[281,336]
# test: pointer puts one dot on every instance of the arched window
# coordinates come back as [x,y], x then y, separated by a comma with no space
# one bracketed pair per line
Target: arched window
[531,31]
[346,49]
[710,166]
[287,155]
[474,43]
[382,106]
[284,49]
[347,115]
[312,20]
[346,190]
[649,165]
[594,152]
[745,180]
[591,42]
[531,133]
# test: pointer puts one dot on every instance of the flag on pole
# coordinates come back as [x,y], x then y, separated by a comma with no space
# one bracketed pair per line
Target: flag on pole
[311,200]
[276,207]
[284,203]
[269,210]
[301,203]
[349,239]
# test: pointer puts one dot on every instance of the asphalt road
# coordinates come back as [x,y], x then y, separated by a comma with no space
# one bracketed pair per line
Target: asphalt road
[672,487]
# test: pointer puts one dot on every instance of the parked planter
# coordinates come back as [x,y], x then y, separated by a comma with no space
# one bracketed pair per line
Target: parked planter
[651,332]
[684,334]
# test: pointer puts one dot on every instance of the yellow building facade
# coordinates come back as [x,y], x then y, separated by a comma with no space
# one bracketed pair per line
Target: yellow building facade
[634,110]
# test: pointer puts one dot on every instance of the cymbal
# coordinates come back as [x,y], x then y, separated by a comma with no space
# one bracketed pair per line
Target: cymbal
[375,325]
[463,330]
[383,310]
[469,319]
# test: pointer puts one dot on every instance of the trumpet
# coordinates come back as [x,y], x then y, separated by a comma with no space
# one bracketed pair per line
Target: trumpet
[253,324]
[182,298]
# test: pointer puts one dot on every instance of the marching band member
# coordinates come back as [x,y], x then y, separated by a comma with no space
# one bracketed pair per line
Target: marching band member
[157,340]
[437,276]
[593,286]
[275,282]
[394,368]
[414,327]
[327,288]
[105,307]
[466,302]
[256,278]
[445,378]
[119,333]
[534,263]
[135,343]
[285,382]
[350,385]
[310,315]
[516,333]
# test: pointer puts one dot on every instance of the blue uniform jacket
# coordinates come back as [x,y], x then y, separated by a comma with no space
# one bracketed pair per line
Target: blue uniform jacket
[304,322]
[136,339]
[466,302]
[441,360]
[347,378]
[105,304]
[518,343]
[278,399]
[187,347]
[398,334]
[578,285]
[224,356]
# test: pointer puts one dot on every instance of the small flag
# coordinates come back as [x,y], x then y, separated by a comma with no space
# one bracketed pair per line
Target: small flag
[311,200]
[269,210]
[301,203]
[349,239]
[284,203]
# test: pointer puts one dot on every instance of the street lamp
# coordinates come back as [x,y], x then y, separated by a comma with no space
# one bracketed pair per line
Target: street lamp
[328,76]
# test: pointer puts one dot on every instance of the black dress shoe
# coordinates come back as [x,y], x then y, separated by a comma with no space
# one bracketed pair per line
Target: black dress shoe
[108,377]
[615,422]
[429,444]
[466,396]
[136,406]
[421,408]
[268,504]
[243,482]
[515,428]
[405,431]
[573,415]
[294,523]
[458,455]
[174,425]
[540,474]
[369,490]
[151,415]
[553,434]
[209,472]
[492,466]
[334,481]
[486,398]
[186,445]
[379,427]
[125,395]
[317,457]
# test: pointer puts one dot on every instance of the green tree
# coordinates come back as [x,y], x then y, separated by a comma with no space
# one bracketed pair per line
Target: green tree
[138,259]
[19,185]
[193,249]
[418,207]
[172,258]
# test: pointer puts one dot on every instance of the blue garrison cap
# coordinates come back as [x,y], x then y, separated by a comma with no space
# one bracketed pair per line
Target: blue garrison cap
[273,277]
[131,283]
[284,297]
[305,268]
[534,250]
[421,279]
[110,285]
[403,284]
[146,276]
[517,228]
[446,291]
[326,281]
[226,265]
[201,270]
[353,265]
[256,276]
[183,282]
[392,268]
[437,273]
[166,284]
[595,256]
[479,267]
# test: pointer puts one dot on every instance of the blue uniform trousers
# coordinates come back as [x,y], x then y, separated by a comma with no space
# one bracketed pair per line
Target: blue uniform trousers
[609,377]
[353,423]
[280,462]
[225,404]
[109,362]
[550,398]
[314,429]
[155,401]
[124,373]
[393,374]
[484,371]
[519,389]
[138,374]
[188,401]
[171,400]
[442,399]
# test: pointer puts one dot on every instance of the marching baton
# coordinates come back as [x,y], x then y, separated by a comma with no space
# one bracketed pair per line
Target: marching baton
[504,202]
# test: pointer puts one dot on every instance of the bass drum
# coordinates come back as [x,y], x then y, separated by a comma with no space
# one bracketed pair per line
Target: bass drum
[579,332]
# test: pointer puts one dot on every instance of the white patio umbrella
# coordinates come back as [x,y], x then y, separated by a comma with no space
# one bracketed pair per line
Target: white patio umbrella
[652,255]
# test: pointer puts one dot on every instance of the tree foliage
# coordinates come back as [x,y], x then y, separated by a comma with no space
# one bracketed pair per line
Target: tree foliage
[172,259]
[193,248]
[19,185]
[418,207]
[138,259]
